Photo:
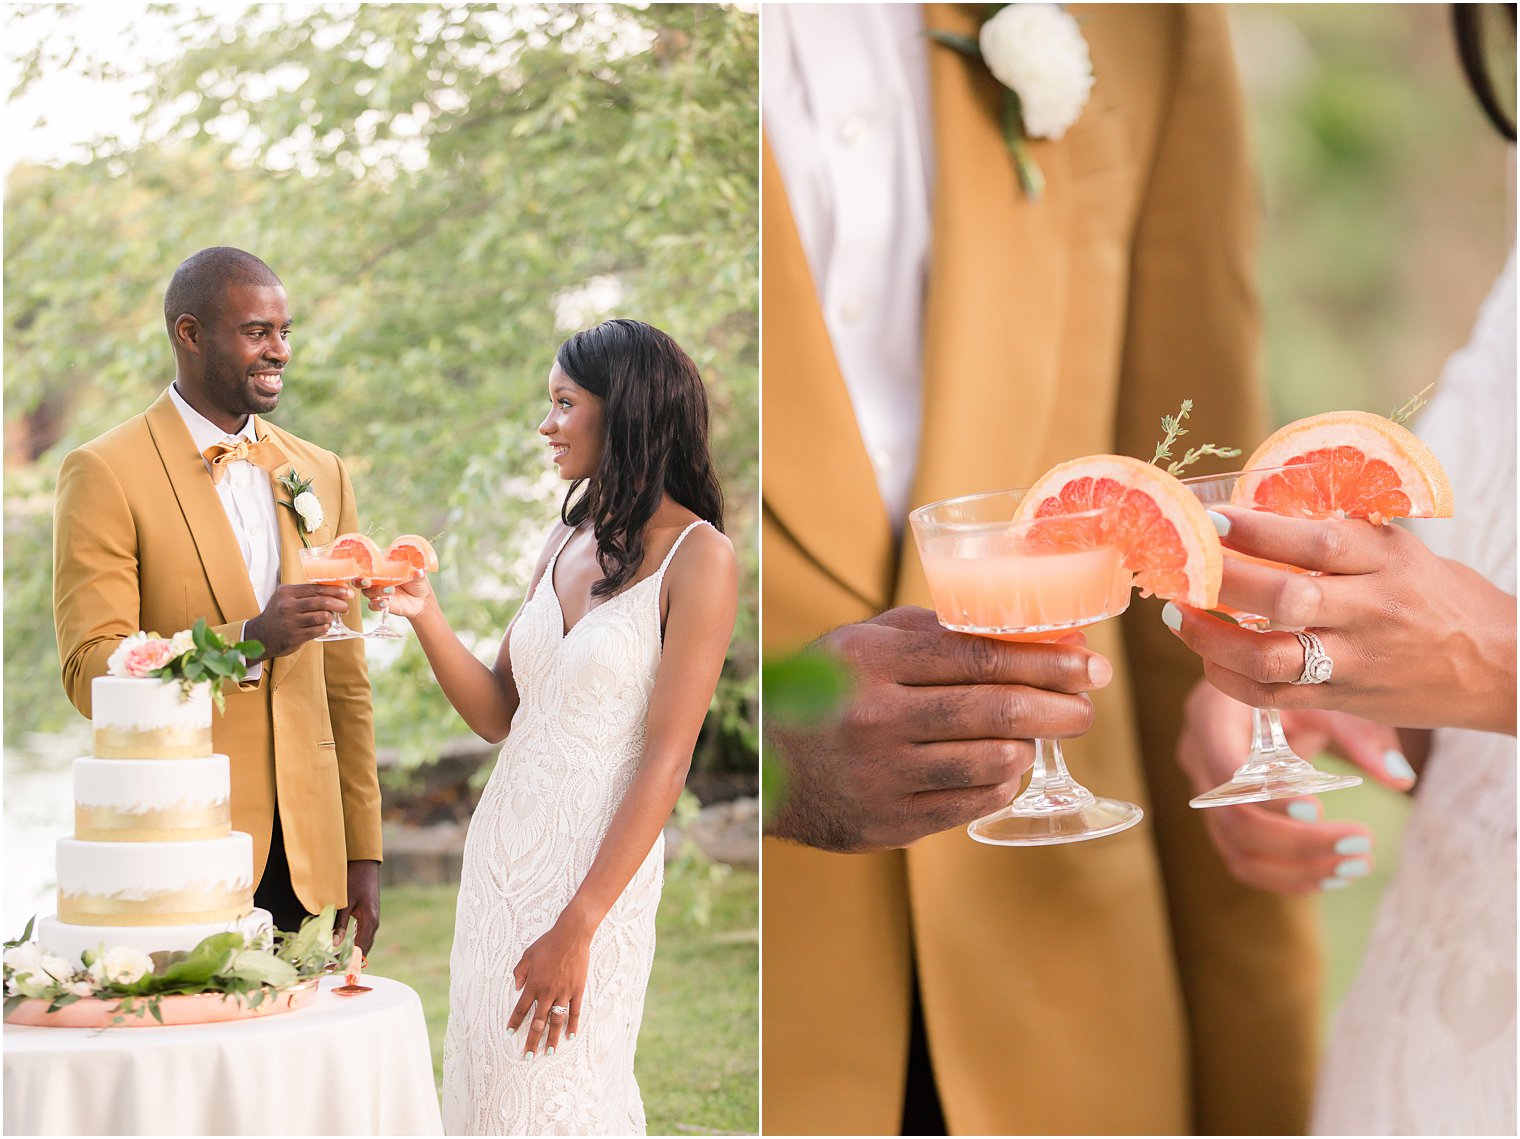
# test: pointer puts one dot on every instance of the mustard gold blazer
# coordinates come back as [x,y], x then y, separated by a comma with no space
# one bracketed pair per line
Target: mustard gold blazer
[141,541]
[1127,985]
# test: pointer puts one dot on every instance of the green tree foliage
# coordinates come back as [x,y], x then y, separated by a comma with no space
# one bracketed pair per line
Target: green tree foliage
[436,186]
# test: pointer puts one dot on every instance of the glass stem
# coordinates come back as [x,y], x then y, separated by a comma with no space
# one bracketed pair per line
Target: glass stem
[1051,787]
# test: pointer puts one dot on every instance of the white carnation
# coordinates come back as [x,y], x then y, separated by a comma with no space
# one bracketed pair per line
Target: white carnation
[1038,51]
[125,965]
[80,988]
[309,507]
[116,663]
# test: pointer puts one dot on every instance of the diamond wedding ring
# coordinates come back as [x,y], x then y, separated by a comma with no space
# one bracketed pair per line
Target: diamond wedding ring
[1317,663]
[558,1010]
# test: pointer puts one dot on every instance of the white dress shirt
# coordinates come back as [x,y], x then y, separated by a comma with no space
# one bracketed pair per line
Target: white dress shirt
[845,101]
[247,494]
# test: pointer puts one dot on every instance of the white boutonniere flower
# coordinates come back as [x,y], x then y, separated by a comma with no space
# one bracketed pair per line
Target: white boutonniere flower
[303,503]
[1036,51]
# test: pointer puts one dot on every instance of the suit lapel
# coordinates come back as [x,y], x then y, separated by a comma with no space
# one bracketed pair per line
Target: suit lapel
[291,570]
[819,485]
[212,533]
[994,313]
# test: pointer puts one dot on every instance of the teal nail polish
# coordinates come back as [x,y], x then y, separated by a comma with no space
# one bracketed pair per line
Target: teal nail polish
[389,589]
[1354,844]
[528,1056]
[1335,884]
[1397,766]
[550,1052]
[1352,868]
[1221,523]
[570,1037]
[511,1032]
[1304,812]
[1171,617]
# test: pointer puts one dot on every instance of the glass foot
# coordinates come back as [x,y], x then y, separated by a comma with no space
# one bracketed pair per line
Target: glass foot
[386,633]
[1016,826]
[341,633]
[1273,785]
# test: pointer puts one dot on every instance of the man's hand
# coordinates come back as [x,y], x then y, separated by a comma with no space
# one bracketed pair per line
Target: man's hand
[295,614]
[363,903]
[937,731]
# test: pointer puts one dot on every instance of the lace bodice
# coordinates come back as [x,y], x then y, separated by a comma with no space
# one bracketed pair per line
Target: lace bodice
[1424,1043]
[574,746]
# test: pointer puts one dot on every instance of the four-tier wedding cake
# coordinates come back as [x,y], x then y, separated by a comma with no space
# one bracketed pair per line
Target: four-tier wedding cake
[154,863]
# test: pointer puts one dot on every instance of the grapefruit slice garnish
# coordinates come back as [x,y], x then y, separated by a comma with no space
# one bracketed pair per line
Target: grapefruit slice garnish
[415,550]
[356,546]
[1365,466]
[1161,530]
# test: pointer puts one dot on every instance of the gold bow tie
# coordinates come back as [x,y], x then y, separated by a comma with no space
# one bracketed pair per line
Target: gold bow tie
[264,454]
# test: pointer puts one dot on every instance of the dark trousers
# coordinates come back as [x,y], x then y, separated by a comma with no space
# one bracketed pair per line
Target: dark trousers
[921,1114]
[275,893]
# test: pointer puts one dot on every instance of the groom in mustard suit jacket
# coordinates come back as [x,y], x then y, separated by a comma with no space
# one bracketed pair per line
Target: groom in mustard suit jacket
[169,518]
[1125,985]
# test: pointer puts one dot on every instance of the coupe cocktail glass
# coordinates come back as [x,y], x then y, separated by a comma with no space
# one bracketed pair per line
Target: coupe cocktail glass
[1033,580]
[1272,770]
[323,568]
[388,575]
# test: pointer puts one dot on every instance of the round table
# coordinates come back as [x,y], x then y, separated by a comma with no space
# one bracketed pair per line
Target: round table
[341,1066]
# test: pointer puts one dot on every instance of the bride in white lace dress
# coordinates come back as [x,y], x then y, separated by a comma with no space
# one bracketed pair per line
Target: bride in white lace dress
[600,688]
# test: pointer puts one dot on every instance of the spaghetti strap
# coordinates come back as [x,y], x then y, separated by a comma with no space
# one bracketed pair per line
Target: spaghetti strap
[676,545]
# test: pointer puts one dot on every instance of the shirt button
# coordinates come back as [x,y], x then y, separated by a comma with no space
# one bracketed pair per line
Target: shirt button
[851,311]
[851,130]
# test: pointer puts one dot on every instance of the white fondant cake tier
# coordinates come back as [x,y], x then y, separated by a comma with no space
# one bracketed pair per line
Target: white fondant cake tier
[155,883]
[72,940]
[149,718]
[152,800]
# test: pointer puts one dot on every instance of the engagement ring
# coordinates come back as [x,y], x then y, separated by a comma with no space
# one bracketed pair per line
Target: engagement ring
[558,1010]
[1317,663]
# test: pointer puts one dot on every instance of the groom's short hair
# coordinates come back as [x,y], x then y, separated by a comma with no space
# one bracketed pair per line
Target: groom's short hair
[202,279]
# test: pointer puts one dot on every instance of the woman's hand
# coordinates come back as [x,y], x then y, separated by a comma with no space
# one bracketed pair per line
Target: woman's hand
[1417,640]
[1283,845]
[552,975]
[407,599]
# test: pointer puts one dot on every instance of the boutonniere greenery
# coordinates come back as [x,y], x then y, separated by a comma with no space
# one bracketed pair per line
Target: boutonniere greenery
[1036,51]
[303,503]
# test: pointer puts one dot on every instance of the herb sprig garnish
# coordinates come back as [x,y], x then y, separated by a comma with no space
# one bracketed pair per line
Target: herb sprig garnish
[1405,411]
[1172,425]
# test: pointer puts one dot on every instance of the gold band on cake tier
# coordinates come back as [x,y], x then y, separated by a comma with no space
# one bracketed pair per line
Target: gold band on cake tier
[183,822]
[181,907]
[152,743]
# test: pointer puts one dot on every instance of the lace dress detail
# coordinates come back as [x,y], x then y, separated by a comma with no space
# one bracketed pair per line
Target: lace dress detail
[1424,1043]
[572,751]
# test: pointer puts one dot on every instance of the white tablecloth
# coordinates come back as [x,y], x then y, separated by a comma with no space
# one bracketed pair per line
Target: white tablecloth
[341,1066]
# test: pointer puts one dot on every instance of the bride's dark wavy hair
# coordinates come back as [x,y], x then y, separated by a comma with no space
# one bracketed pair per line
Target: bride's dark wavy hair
[654,436]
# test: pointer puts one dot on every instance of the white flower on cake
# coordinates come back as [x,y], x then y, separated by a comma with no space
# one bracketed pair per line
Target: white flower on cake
[1038,51]
[122,966]
[181,643]
[309,507]
[24,958]
[58,968]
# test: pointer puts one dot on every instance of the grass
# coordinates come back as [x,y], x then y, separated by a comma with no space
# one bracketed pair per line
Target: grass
[698,1060]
